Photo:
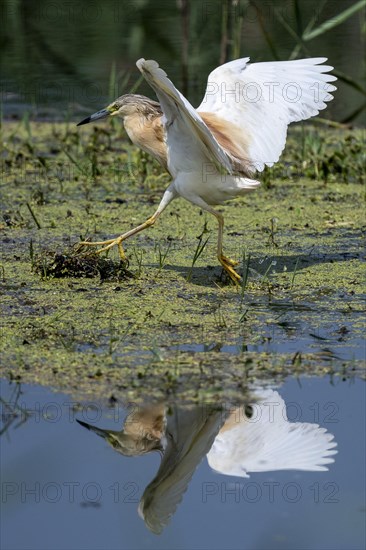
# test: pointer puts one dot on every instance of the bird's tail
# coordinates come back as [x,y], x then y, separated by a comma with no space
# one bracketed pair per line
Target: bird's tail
[246,184]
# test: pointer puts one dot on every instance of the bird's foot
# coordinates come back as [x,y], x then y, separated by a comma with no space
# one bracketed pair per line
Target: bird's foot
[228,261]
[106,245]
[228,265]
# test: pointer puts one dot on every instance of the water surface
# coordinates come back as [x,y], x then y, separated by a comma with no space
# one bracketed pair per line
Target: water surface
[65,487]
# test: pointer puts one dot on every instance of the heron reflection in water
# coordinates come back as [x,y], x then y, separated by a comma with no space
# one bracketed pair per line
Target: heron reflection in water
[255,437]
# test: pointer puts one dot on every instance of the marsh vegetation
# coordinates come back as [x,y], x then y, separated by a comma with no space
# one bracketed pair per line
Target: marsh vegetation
[170,319]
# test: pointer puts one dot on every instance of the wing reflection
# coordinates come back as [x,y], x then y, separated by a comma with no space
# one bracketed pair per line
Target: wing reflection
[256,437]
[262,439]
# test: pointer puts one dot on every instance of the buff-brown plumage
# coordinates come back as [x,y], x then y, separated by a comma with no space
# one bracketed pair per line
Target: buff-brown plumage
[143,121]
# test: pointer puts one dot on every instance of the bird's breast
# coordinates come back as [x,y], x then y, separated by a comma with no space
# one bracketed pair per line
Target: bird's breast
[149,135]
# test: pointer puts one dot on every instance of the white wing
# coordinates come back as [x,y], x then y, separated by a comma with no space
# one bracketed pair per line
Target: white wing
[268,442]
[183,124]
[262,99]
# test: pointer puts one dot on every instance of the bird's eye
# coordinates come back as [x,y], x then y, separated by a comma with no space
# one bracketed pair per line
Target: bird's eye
[248,411]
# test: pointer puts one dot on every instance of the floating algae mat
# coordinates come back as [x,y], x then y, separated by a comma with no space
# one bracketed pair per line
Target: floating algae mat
[177,326]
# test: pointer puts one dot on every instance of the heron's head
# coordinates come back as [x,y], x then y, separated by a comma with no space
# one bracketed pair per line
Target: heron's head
[125,443]
[126,105]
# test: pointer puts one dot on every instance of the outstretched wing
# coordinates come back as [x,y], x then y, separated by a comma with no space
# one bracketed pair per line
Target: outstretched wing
[300,446]
[183,124]
[260,100]
[270,442]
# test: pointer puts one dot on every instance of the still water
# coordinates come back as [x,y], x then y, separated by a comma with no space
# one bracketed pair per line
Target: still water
[250,476]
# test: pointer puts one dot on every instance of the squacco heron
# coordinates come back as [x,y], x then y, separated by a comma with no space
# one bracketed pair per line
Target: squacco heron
[236,440]
[213,152]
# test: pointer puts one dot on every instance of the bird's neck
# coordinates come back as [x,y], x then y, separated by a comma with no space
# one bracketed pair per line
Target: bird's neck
[148,134]
[134,125]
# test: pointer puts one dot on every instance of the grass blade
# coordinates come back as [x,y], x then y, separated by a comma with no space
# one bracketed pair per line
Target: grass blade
[308,28]
[137,84]
[298,17]
[354,114]
[291,31]
[201,245]
[349,80]
[33,215]
[265,33]
[334,21]
[79,166]
[112,83]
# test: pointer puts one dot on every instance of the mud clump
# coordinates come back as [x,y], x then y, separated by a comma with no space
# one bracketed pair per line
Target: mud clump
[75,264]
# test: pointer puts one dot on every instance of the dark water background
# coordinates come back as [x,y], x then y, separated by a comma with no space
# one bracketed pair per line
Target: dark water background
[59,59]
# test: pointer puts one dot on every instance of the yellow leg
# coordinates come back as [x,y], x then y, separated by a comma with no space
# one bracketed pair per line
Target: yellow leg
[106,245]
[168,196]
[122,254]
[229,261]
[226,263]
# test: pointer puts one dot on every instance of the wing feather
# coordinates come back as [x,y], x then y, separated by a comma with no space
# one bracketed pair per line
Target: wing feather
[270,442]
[264,98]
[175,106]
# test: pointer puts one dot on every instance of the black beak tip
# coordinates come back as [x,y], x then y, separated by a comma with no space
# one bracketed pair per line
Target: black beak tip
[84,424]
[84,121]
